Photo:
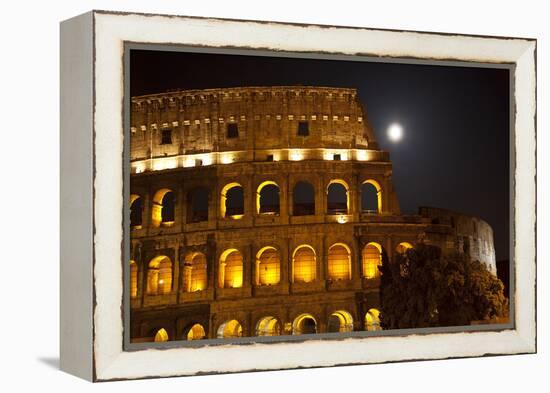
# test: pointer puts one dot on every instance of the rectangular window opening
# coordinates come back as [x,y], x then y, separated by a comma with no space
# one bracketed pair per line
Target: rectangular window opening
[166,137]
[232,130]
[303,128]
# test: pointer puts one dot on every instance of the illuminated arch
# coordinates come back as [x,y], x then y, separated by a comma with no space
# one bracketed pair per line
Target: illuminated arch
[268,326]
[303,199]
[403,247]
[268,266]
[337,206]
[136,211]
[159,276]
[304,264]
[231,269]
[339,262]
[196,332]
[340,322]
[161,335]
[372,320]
[233,212]
[133,278]
[304,324]
[163,208]
[230,329]
[195,272]
[263,193]
[371,258]
[377,190]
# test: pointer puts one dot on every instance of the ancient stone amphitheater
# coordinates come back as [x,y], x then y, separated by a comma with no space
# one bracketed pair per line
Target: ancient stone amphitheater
[261,211]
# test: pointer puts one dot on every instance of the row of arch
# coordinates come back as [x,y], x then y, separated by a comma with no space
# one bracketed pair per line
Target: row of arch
[267,267]
[267,201]
[339,321]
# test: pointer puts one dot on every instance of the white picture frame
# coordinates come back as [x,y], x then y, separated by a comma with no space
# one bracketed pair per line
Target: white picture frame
[92,184]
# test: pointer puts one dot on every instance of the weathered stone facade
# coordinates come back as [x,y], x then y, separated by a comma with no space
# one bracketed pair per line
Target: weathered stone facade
[249,145]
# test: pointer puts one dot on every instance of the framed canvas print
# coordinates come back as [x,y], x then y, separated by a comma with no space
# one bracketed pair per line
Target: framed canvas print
[244,195]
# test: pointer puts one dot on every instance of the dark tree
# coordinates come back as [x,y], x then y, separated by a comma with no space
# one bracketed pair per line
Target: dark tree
[422,288]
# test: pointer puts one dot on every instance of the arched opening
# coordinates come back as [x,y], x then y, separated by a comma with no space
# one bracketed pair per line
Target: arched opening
[304,324]
[340,322]
[159,276]
[268,326]
[197,205]
[337,197]
[303,197]
[304,264]
[163,208]
[268,266]
[231,269]
[371,259]
[136,211]
[339,262]
[161,335]
[371,197]
[372,320]
[194,273]
[267,198]
[230,329]
[133,278]
[403,247]
[196,332]
[232,201]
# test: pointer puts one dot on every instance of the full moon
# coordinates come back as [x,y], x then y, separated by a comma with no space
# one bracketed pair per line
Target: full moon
[395,132]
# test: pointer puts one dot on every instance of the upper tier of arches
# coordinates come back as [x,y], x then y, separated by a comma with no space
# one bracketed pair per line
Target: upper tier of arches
[271,199]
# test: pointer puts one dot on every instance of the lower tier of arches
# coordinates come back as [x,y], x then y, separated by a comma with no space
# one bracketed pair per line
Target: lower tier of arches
[358,312]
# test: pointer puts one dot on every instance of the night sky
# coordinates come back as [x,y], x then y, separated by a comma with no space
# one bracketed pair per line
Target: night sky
[455,148]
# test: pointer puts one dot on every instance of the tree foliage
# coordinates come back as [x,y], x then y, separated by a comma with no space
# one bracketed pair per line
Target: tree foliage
[422,288]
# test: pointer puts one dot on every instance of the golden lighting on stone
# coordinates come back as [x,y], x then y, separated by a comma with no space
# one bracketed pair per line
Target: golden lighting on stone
[372,320]
[371,258]
[304,264]
[161,336]
[259,192]
[139,167]
[194,272]
[159,276]
[296,155]
[156,214]
[342,219]
[231,269]
[196,332]
[339,262]
[230,329]
[403,247]
[378,192]
[304,324]
[223,200]
[268,326]
[133,278]
[340,321]
[160,164]
[345,185]
[268,266]
[226,158]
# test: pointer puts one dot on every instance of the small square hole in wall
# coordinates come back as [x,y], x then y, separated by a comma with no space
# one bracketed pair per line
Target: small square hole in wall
[269,157]
[166,137]
[303,128]
[337,157]
[232,130]
[198,162]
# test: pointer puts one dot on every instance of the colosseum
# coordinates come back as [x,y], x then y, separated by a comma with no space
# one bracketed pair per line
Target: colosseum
[262,211]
